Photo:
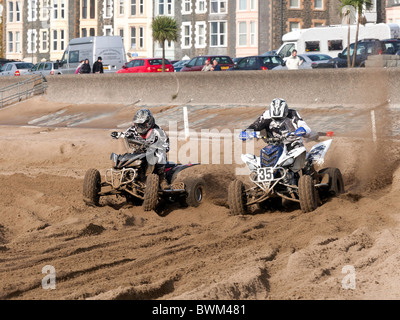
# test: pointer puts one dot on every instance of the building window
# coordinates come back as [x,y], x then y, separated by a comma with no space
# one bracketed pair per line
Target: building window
[253,5]
[18,42]
[218,34]
[218,6]
[133,7]
[108,9]
[10,11]
[121,7]
[294,4]
[294,26]
[186,34]
[84,9]
[62,40]
[31,41]
[44,40]
[242,5]
[54,40]
[92,33]
[186,6]
[141,7]
[55,9]
[318,4]
[121,34]
[83,32]
[133,38]
[10,42]
[17,11]
[200,34]
[242,34]
[92,9]
[32,10]
[141,37]
[165,7]
[201,6]
[62,9]
[108,31]
[253,26]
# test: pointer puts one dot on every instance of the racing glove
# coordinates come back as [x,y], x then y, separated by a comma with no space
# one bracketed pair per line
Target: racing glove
[115,134]
[244,135]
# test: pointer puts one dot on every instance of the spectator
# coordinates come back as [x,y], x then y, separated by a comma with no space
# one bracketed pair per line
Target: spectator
[98,66]
[79,67]
[216,66]
[207,66]
[293,62]
[85,67]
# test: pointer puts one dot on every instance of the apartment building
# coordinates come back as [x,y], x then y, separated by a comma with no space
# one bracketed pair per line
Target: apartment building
[393,11]
[132,21]
[168,8]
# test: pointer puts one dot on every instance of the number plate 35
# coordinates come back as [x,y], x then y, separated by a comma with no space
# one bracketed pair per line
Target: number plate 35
[265,174]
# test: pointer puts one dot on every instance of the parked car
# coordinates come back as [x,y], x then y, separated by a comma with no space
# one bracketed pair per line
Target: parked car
[15,68]
[269,53]
[365,48]
[237,59]
[46,68]
[197,63]
[140,65]
[4,61]
[392,46]
[179,65]
[258,63]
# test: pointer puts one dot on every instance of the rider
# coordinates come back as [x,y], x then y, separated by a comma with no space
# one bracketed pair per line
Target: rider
[278,121]
[156,141]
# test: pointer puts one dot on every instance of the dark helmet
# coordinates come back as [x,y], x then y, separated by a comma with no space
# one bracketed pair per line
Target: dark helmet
[144,121]
[278,109]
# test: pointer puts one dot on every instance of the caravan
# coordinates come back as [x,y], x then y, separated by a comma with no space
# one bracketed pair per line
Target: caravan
[110,48]
[331,40]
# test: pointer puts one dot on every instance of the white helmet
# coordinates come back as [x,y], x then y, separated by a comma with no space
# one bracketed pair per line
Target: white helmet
[278,109]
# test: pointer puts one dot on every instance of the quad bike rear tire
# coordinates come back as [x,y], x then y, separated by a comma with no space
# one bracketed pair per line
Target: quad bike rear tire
[195,189]
[335,184]
[150,199]
[237,198]
[308,195]
[92,187]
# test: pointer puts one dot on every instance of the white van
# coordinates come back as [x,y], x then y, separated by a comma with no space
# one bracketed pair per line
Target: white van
[331,40]
[109,48]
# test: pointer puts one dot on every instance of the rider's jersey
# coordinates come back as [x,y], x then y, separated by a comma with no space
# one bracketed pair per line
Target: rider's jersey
[156,139]
[277,128]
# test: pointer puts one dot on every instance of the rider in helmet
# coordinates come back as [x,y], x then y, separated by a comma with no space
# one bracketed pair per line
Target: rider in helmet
[277,121]
[144,129]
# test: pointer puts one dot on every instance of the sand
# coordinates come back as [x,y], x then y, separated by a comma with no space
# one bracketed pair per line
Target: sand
[118,251]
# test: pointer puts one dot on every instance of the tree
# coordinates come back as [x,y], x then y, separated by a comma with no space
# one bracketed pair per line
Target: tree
[360,5]
[347,12]
[164,29]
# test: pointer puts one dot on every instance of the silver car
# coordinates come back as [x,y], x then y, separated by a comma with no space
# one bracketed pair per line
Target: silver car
[15,68]
[309,59]
[46,68]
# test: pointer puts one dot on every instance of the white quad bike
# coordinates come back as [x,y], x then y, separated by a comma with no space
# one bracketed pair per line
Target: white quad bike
[281,174]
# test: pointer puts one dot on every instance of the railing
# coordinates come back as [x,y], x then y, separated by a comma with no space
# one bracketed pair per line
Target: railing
[22,90]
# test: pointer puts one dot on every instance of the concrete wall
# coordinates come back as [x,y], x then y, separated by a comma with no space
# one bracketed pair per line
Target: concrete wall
[365,86]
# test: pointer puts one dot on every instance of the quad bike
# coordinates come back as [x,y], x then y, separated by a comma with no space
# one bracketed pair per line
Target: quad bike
[132,177]
[281,174]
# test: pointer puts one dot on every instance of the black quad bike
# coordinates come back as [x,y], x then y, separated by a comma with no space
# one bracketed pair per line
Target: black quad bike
[132,177]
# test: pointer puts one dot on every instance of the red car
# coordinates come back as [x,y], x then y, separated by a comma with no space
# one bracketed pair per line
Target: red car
[197,63]
[146,65]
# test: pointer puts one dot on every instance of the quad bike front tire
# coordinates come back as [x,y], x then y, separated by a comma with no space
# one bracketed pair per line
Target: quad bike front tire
[335,183]
[308,195]
[195,189]
[92,187]
[150,199]
[237,198]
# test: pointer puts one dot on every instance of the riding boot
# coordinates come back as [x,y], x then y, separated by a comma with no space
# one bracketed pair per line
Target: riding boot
[160,170]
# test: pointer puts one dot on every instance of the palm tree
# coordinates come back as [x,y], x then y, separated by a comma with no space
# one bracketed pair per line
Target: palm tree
[360,5]
[347,13]
[164,29]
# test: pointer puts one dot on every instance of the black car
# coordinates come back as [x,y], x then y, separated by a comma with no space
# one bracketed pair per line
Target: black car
[365,48]
[392,46]
[258,63]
